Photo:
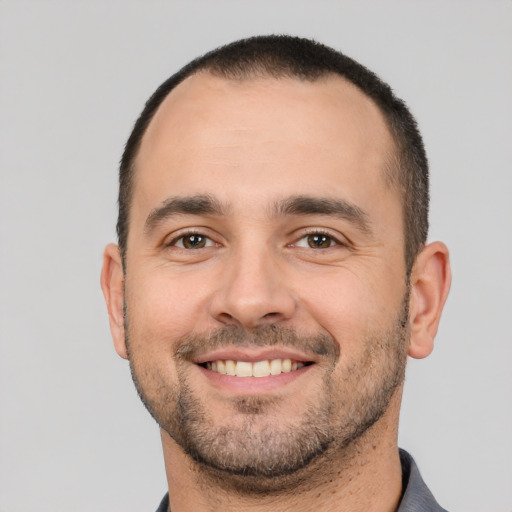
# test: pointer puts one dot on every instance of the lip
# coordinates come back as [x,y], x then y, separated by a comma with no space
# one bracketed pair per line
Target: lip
[253,385]
[253,355]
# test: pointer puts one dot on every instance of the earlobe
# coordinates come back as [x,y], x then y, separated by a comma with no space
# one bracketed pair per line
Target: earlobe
[430,284]
[112,284]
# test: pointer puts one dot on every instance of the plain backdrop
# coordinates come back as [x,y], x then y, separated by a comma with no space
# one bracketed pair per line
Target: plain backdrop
[73,78]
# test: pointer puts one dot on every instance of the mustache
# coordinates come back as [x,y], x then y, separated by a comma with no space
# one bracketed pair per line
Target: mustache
[193,345]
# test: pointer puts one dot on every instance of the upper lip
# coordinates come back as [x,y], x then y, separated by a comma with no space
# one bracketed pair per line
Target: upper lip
[253,355]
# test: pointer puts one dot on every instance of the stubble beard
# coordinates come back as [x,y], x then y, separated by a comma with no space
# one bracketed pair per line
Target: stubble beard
[259,456]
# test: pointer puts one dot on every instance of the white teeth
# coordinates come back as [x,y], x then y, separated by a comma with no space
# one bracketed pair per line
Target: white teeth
[286,365]
[258,369]
[261,369]
[221,367]
[243,369]
[230,367]
[275,366]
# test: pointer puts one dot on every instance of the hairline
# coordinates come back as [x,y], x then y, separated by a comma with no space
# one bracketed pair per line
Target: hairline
[392,165]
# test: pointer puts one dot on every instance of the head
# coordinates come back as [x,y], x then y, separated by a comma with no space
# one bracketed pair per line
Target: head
[304,60]
[272,274]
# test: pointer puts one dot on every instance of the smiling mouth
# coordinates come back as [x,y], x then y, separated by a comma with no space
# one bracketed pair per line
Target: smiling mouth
[264,368]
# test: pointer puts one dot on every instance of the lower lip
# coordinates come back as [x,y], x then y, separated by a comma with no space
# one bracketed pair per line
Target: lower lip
[253,385]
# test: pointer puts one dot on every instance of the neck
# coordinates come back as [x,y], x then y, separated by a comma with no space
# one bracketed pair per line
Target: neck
[365,476]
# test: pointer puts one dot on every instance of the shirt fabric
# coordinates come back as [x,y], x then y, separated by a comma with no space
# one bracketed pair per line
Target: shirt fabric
[416,496]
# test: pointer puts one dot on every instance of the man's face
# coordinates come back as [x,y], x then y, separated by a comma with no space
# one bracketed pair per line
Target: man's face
[264,241]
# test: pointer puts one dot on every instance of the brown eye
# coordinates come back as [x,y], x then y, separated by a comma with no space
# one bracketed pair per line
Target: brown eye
[319,241]
[192,241]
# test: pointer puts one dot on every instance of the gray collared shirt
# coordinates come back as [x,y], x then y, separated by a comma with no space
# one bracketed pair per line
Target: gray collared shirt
[416,496]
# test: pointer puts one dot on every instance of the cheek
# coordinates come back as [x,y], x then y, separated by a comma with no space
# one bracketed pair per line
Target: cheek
[163,308]
[347,306]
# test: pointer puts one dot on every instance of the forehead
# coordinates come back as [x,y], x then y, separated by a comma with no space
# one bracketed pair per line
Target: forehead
[262,136]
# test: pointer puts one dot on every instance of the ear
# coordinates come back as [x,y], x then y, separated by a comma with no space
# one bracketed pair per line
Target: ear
[430,284]
[112,284]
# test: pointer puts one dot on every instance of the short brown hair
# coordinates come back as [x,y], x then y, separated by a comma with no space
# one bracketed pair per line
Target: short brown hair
[280,56]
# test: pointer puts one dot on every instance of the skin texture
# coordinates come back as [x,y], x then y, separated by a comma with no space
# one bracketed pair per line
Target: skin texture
[257,285]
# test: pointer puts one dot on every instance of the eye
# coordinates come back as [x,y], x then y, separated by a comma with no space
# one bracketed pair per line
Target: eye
[317,241]
[192,241]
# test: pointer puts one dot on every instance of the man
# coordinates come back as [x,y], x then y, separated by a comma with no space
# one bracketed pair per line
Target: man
[272,276]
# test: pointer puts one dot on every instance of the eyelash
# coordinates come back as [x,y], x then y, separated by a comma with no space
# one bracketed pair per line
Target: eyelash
[183,236]
[334,241]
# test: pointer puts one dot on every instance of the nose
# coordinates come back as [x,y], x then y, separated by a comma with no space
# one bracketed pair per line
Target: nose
[252,291]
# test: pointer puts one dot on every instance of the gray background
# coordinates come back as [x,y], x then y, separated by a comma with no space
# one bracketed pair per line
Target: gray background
[73,78]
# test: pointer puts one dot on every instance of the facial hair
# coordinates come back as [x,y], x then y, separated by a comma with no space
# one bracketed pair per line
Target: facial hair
[256,447]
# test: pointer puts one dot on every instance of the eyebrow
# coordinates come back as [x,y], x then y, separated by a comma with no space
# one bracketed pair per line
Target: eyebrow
[309,205]
[296,205]
[188,205]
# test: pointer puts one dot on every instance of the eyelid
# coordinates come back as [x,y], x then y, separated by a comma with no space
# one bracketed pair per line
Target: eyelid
[173,238]
[339,240]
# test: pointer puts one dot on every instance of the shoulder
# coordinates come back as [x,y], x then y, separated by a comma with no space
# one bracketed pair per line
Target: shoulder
[416,495]
[164,504]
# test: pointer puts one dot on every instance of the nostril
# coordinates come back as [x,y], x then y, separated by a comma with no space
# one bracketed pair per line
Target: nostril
[226,317]
[270,315]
